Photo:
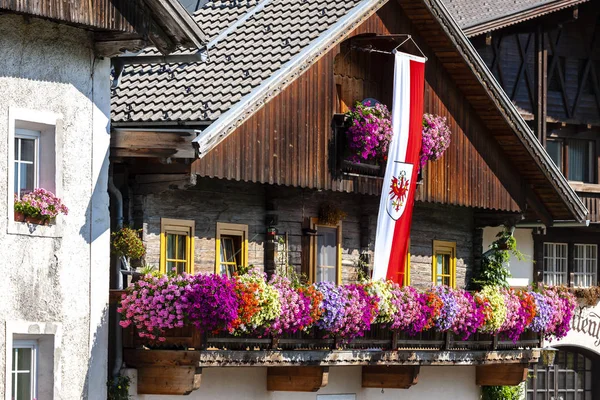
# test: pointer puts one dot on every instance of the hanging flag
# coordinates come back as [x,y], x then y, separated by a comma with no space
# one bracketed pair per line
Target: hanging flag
[399,183]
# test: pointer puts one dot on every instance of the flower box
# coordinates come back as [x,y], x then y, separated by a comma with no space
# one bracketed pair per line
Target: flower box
[39,207]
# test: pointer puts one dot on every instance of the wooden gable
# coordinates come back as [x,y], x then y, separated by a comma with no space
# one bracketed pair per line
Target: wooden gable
[288,141]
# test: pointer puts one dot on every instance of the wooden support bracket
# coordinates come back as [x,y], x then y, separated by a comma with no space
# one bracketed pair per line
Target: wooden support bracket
[390,377]
[168,380]
[501,374]
[297,379]
[165,371]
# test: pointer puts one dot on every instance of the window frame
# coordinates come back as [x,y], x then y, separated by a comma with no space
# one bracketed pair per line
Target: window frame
[406,280]
[181,227]
[312,270]
[444,247]
[26,344]
[594,275]
[50,126]
[28,134]
[230,229]
[566,258]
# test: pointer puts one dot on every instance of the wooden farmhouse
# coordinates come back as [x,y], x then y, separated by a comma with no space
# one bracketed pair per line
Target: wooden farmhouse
[237,159]
[545,55]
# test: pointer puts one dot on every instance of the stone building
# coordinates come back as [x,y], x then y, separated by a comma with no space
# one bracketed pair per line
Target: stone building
[55,134]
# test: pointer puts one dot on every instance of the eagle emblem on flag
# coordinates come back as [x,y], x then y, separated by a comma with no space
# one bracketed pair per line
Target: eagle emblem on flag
[399,184]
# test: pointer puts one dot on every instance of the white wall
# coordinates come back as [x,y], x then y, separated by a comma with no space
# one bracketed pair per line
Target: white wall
[250,384]
[59,275]
[521,270]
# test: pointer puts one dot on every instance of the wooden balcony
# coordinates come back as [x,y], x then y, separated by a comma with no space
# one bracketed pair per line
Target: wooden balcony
[186,351]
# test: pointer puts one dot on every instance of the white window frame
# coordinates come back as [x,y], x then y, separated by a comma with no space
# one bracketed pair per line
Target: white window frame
[48,336]
[43,122]
[28,134]
[26,344]
[581,271]
[550,276]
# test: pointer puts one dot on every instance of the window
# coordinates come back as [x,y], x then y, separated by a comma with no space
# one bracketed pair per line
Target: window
[555,150]
[444,263]
[581,161]
[176,245]
[585,265]
[34,159]
[231,248]
[326,253]
[571,377]
[575,158]
[23,371]
[555,263]
[26,164]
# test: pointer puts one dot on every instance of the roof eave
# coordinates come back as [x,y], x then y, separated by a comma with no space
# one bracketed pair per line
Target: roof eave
[176,20]
[518,17]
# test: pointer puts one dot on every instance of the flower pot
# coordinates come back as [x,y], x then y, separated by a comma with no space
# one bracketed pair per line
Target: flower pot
[19,216]
[37,220]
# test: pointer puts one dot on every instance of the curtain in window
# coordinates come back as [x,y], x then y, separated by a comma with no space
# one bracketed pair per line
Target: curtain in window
[580,161]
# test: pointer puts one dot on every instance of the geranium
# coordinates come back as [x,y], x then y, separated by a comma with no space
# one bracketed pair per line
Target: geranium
[213,302]
[369,133]
[296,312]
[436,138]
[154,304]
[259,303]
[40,203]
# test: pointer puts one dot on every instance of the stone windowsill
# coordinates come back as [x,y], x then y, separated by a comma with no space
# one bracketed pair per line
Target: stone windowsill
[27,229]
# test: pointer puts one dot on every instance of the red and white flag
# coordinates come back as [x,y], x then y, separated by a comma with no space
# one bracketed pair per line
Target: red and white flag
[398,193]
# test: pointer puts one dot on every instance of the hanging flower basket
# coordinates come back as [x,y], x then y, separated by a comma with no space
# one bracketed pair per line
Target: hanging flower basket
[40,207]
[436,138]
[369,133]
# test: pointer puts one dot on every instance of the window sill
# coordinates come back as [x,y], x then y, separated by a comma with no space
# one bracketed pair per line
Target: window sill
[27,229]
[585,187]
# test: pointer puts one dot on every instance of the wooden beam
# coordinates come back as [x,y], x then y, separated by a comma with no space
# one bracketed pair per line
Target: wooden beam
[297,379]
[390,377]
[142,143]
[501,375]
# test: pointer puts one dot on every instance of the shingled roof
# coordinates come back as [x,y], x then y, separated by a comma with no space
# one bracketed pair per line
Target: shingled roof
[249,42]
[273,42]
[479,16]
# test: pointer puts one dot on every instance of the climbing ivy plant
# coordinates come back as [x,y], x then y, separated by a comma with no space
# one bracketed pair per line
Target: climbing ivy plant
[494,272]
[494,265]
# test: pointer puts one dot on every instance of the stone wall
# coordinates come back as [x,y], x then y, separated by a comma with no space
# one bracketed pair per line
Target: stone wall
[213,200]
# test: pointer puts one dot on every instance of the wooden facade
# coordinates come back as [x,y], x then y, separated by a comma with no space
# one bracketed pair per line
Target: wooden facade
[288,141]
[110,15]
[550,68]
